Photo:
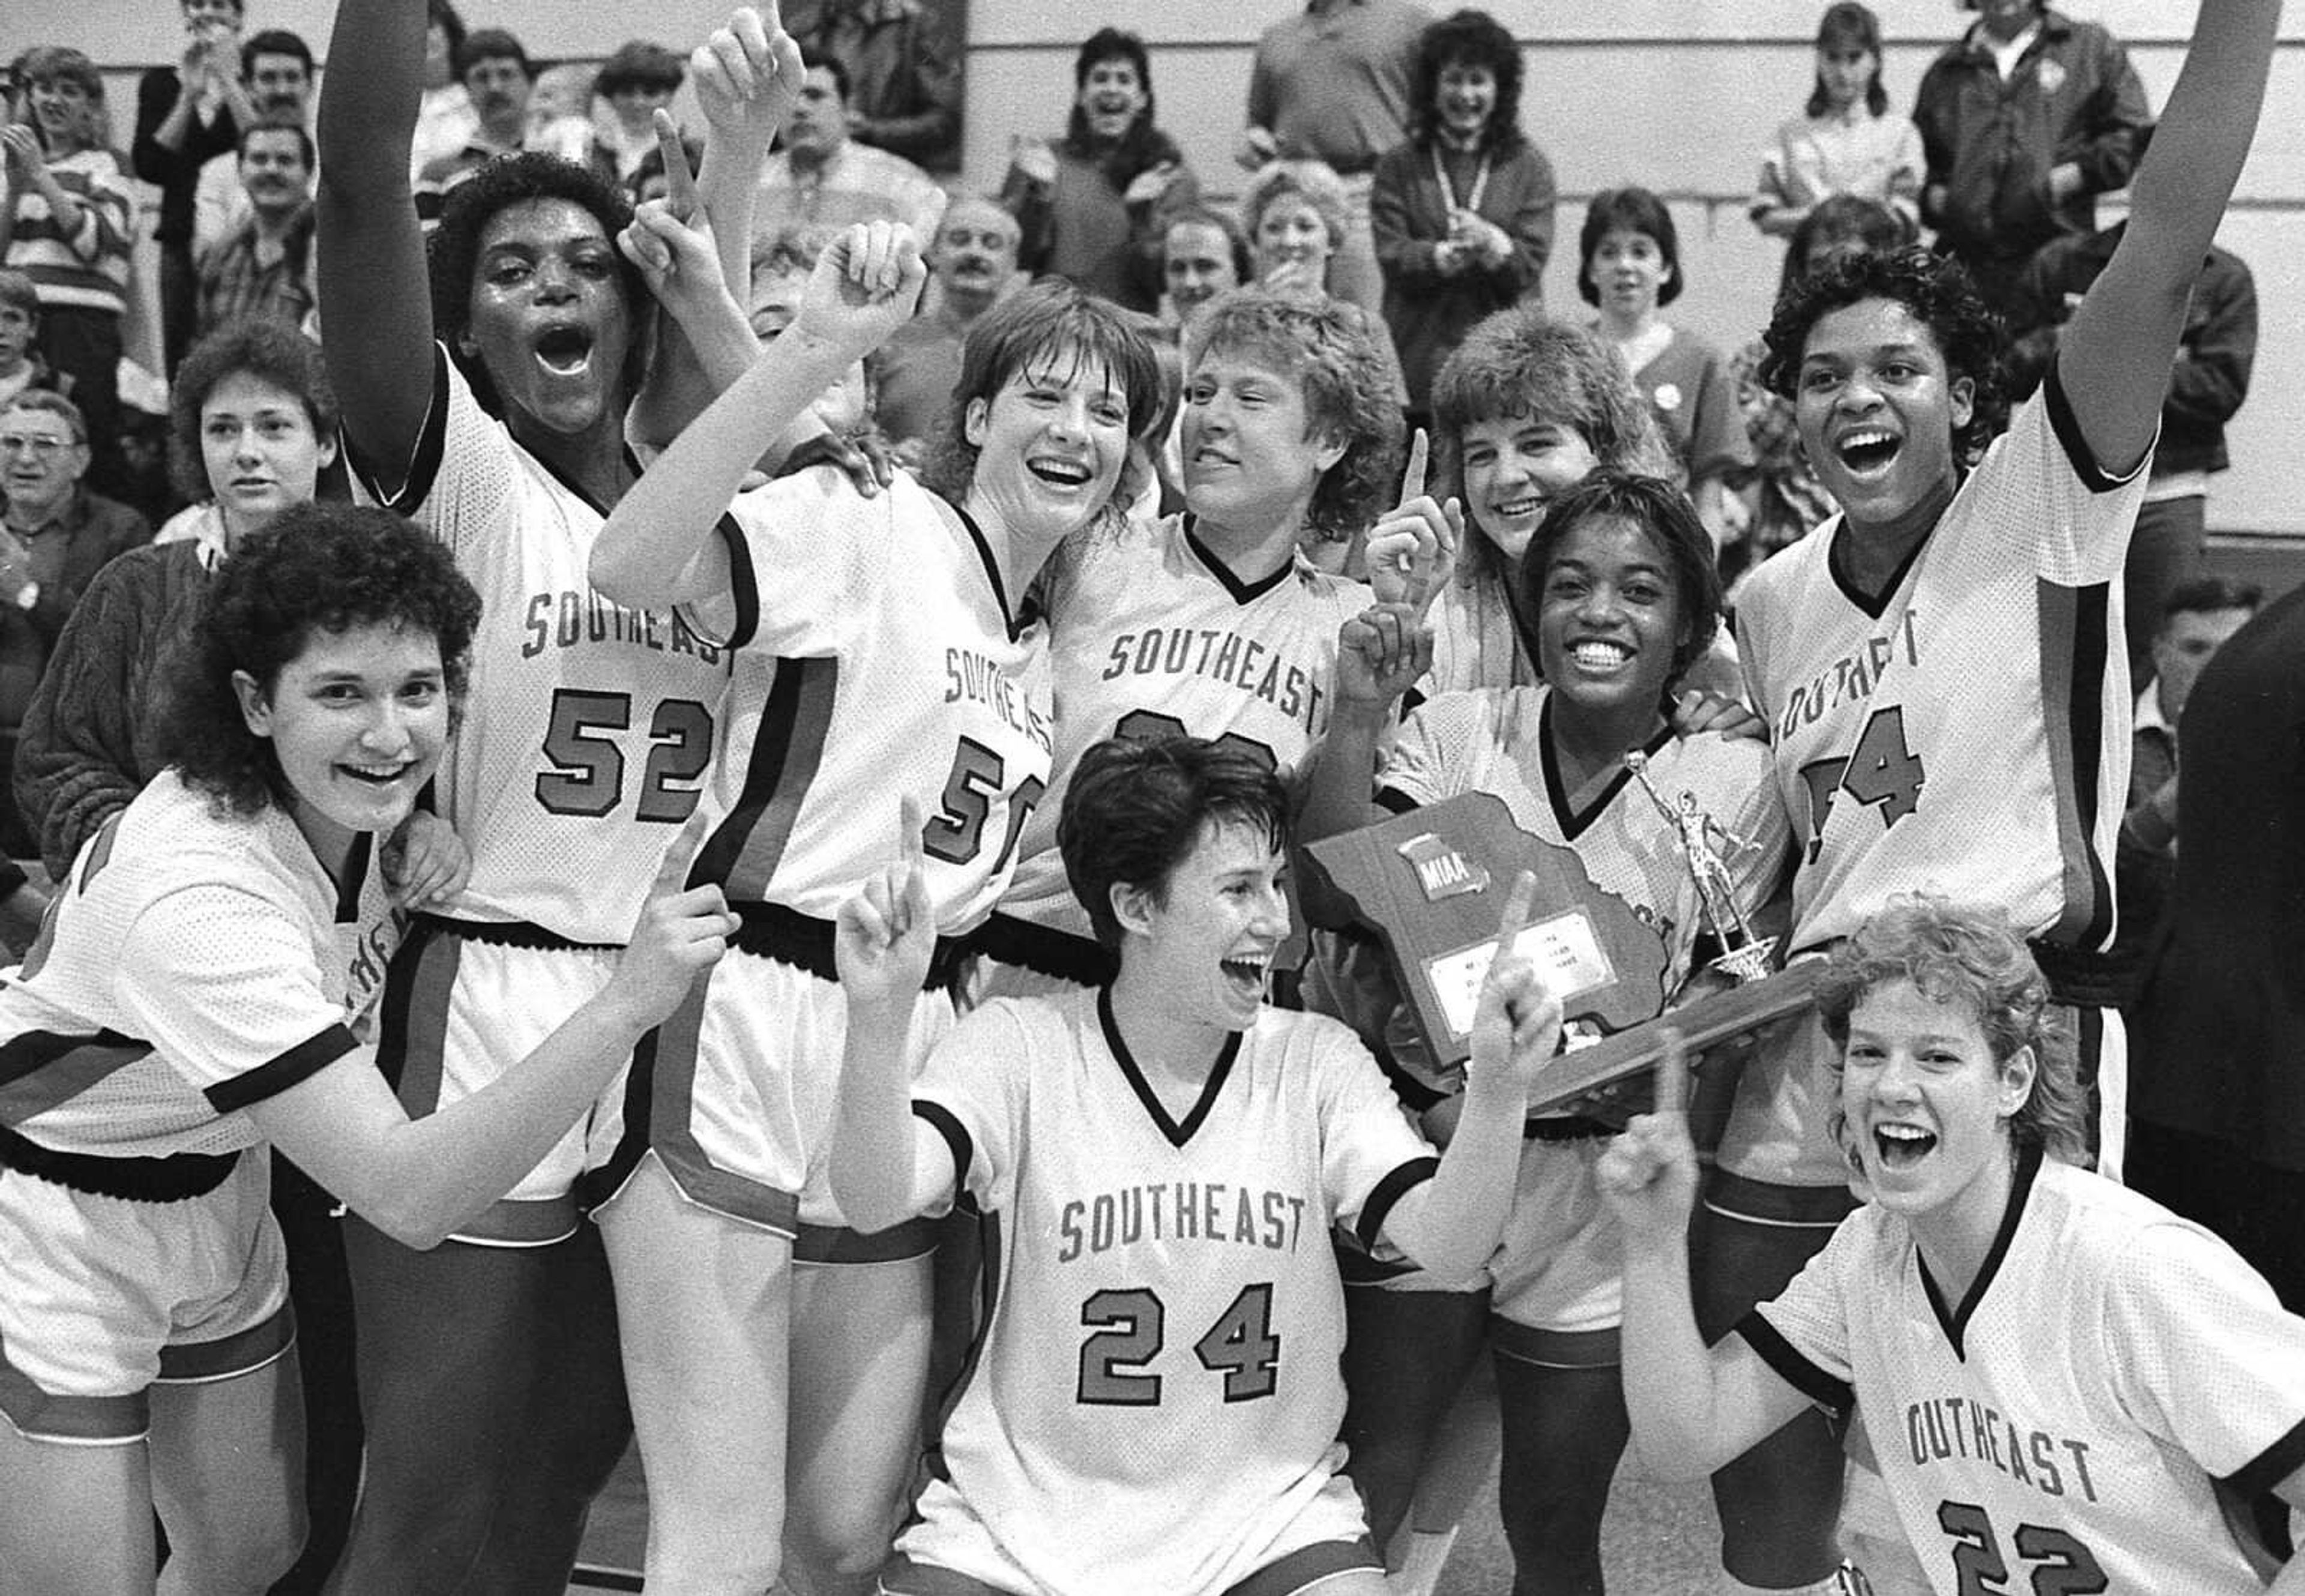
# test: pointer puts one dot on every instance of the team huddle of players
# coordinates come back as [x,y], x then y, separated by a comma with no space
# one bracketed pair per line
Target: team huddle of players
[898,884]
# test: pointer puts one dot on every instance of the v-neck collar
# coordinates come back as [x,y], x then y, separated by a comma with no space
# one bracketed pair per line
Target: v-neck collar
[1574,821]
[1177,1132]
[991,569]
[1242,592]
[1954,1322]
[1874,605]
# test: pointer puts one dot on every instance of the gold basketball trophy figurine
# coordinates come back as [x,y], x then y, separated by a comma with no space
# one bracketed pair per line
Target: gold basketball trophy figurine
[1744,958]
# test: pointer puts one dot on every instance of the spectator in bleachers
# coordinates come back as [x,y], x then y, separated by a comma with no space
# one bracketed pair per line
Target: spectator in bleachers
[2024,122]
[279,68]
[821,181]
[1462,209]
[639,78]
[498,79]
[650,181]
[1203,254]
[2206,385]
[901,61]
[55,534]
[1629,266]
[264,266]
[1331,84]
[1845,142]
[1297,215]
[975,260]
[187,116]
[21,364]
[445,122]
[1095,206]
[69,224]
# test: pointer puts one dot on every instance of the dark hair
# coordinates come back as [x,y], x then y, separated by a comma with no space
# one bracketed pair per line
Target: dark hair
[1971,957]
[2202,595]
[811,59]
[1660,509]
[1048,322]
[1840,218]
[18,289]
[1476,39]
[452,254]
[489,43]
[451,24]
[273,41]
[317,568]
[279,124]
[1143,145]
[1133,811]
[1629,210]
[1203,215]
[1936,292]
[1325,347]
[268,349]
[639,65]
[1846,23]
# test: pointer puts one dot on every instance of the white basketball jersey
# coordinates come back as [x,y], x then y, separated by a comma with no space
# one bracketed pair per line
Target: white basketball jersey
[1157,1398]
[1150,636]
[877,656]
[1968,735]
[587,727]
[191,964]
[2063,1429]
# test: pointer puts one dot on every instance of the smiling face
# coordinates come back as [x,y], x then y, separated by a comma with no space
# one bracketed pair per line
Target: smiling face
[1206,938]
[1845,71]
[1111,97]
[1466,95]
[1251,459]
[1877,411]
[975,251]
[261,454]
[272,170]
[40,462]
[1609,619]
[65,113]
[1290,232]
[1196,261]
[1628,270]
[1927,1107]
[548,316]
[357,721]
[1050,444]
[1514,465]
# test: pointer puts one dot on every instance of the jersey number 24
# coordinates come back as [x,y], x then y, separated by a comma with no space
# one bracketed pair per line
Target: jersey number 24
[1132,1324]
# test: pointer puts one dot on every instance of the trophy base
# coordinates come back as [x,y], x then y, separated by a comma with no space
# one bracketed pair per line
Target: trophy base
[1634,1051]
[1749,964]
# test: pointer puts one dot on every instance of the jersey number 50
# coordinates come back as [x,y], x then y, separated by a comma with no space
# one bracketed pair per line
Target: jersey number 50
[1131,1326]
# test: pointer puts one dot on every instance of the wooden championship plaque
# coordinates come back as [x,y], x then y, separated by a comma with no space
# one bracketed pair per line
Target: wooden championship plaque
[1433,884]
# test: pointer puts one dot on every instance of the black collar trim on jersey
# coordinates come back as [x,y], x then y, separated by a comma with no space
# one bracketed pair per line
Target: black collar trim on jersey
[1955,1324]
[1242,592]
[356,863]
[1573,823]
[992,570]
[632,461]
[1177,1133]
[1874,605]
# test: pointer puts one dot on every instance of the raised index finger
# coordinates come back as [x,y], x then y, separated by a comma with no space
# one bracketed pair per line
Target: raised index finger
[680,853]
[1518,904]
[679,179]
[1672,1077]
[1412,479]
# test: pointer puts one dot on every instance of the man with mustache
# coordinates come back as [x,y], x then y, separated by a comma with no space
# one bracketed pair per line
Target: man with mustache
[974,259]
[496,76]
[276,72]
[263,268]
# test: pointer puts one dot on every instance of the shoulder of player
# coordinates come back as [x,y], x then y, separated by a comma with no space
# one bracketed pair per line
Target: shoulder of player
[1324,1049]
[173,842]
[2118,1234]
[1779,584]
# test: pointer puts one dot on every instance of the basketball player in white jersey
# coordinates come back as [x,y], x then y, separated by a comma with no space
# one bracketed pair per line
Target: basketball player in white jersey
[1154,1405]
[1941,670]
[883,652]
[206,985]
[1211,622]
[2068,1387]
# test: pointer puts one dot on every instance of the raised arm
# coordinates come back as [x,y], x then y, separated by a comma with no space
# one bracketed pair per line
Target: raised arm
[2115,360]
[1693,1409]
[657,549]
[376,305]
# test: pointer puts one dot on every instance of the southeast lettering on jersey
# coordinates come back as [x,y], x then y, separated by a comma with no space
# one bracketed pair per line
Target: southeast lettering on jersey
[570,618]
[1252,666]
[1184,1211]
[1949,1427]
[1851,678]
[979,679]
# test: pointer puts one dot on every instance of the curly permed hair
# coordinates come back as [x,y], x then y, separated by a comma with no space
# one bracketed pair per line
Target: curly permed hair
[1936,292]
[264,348]
[1326,348]
[1476,38]
[1973,958]
[317,568]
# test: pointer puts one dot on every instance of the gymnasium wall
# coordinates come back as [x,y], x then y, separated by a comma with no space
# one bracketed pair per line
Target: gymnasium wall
[1680,95]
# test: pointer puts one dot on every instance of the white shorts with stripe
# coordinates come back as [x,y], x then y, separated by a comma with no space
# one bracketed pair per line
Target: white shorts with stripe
[102,1297]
